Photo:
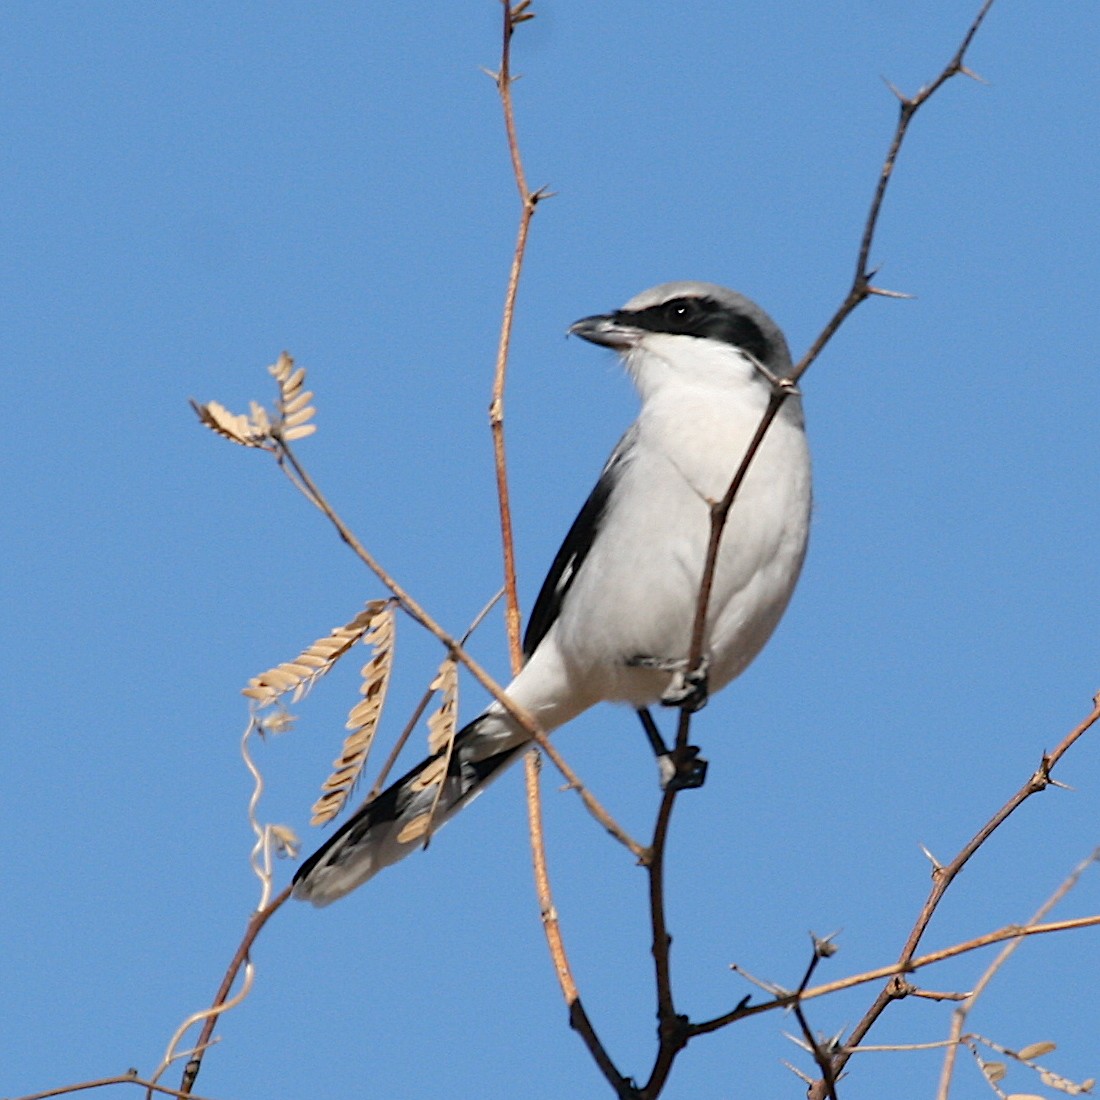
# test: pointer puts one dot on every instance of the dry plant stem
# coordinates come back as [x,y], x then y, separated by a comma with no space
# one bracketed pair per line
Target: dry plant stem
[908,107]
[672,1028]
[578,1017]
[860,290]
[787,1000]
[958,1017]
[821,1057]
[529,201]
[255,925]
[909,962]
[104,1082]
[425,699]
[674,1035]
[399,744]
[306,485]
[942,877]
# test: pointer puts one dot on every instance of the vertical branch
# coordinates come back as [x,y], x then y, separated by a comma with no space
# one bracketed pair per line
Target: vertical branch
[674,1031]
[578,1018]
[513,16]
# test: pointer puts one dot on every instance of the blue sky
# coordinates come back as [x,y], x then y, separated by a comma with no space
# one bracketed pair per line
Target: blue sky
[186,190]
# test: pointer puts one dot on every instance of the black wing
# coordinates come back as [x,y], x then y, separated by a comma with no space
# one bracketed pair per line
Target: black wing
[579,540]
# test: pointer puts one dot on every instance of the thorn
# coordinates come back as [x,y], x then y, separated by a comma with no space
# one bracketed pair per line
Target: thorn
[776,991]
[938,995]
[1061,785]
[798,1041]
[882,292]
[936,865]
[824,947]
[902,98]
[973,75]
[493,76]
[804,1078]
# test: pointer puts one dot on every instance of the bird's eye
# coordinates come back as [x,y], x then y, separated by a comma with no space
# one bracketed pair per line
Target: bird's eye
[681,312]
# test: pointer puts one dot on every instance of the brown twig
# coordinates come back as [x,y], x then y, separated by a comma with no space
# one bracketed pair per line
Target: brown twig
[672,1035]
[255,925]
[943,876]
[303,481]
[861,284]
[418,711]
[785,1000]
[958,1017]
[823,948]
[906,965]
[529,199]
[104,1082]
[860,290]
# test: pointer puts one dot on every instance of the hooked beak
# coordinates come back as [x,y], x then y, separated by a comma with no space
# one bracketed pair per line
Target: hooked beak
[610,330]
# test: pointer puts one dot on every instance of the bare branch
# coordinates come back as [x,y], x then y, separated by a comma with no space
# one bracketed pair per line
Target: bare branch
[578,1017]
[958,1017]
[786,1000]
[253,929]
[861,287]
[103,1082]
[308,487]
[942,877]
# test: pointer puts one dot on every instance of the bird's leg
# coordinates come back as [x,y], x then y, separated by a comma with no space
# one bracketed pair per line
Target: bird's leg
[683,774]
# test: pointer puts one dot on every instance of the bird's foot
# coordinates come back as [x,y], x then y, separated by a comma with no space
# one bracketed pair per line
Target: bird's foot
[685,774]
[689,689]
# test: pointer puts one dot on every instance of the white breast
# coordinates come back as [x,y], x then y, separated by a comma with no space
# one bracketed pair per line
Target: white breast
[636,592]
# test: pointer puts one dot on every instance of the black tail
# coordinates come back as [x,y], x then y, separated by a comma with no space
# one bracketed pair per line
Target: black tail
[404,815]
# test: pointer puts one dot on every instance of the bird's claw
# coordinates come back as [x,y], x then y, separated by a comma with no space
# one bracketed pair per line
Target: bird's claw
[688,690]
[685,774]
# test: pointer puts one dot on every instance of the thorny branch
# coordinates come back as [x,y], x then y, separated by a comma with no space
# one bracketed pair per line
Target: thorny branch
[958,1017]
[787,1000]
[894,971]
[943,876]
[674,1030]
[513,15]
[673,1034]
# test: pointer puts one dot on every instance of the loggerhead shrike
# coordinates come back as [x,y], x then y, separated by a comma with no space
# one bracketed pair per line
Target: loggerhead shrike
[614,617]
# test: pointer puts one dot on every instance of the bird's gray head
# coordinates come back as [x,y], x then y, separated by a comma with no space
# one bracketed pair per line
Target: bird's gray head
[701,310]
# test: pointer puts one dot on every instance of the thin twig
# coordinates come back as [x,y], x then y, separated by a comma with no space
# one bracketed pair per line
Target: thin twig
[528,200]
[672,1032]
[786,1000]
[958,1017]
[822,1056]
[418,712]
[943,876]
[104,1082]
[255,926]
[860,290]
[578,1017]
[412,608]
[908,965]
